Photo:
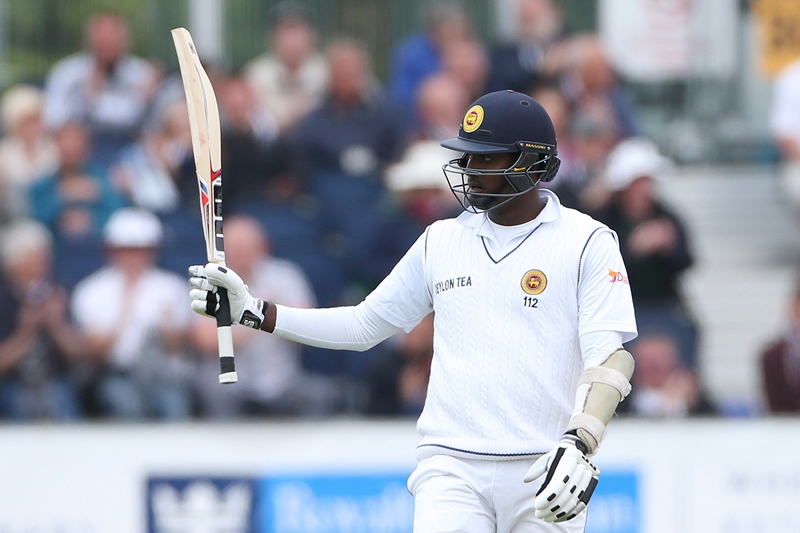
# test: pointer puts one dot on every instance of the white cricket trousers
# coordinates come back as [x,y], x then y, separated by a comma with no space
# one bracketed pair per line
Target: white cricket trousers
[457,495]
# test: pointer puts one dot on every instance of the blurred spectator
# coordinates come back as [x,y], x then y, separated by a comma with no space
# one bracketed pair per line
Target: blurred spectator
[662,387]
[589,78]
[272,380]
[398,381]
[592,135]
[785,126]
[141,359]
[39,347]
[780,364]
[653,242]
[170,92]
[466,60]
[533,55]
[420,196]
[157,172]
[444,23]
[77,199]
[441,102]
[252,152]
[105,88]
[570,177]
[345,144]
[355,131]
[290,78]
[26,151]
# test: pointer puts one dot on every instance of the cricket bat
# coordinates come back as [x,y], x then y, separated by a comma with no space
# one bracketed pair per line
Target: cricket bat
[204,123]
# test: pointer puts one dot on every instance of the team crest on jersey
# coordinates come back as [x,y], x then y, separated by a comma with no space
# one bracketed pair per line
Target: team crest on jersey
[534,282]
[473,119]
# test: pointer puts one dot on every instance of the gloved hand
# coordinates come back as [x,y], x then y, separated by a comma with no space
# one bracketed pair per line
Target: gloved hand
[245,309]
[570,482]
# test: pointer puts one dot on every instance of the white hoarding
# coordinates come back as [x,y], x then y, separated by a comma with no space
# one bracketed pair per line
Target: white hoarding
[657,40]
[697,476]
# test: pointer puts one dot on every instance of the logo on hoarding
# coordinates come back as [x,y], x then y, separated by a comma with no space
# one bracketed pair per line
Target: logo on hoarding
[201,505]
[615,505]
[336,504]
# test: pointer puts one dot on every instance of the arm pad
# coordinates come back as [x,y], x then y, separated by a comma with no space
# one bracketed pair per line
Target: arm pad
[604,386]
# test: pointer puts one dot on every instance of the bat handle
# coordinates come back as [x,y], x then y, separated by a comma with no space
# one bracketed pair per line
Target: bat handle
[227,369]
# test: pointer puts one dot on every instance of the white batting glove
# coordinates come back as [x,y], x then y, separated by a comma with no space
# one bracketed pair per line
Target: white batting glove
[245,309]
[570,482]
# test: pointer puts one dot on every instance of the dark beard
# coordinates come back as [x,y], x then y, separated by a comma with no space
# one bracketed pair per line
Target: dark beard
[480,202]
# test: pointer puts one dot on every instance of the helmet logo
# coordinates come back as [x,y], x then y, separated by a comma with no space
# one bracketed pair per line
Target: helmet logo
[534,282]
[473,119]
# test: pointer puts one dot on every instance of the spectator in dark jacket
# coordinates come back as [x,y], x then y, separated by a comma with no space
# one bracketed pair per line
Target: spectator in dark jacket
[39,347]
[780,365]
[343,146]
[662,385]
[653,242]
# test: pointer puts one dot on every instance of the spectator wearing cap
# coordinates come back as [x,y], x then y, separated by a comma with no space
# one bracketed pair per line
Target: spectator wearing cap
[140,358]
[39,346]
[653,241]
[27,151]
[289,79]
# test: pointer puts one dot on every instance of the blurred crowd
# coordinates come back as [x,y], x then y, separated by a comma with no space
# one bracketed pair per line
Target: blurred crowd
[330,175]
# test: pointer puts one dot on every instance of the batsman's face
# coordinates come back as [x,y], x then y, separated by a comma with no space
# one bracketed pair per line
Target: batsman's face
[488,183]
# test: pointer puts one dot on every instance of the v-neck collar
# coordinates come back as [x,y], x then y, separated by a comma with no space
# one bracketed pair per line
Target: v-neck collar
[482,227]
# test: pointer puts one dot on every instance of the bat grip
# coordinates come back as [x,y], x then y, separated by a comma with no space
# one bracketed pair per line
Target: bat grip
[227,369]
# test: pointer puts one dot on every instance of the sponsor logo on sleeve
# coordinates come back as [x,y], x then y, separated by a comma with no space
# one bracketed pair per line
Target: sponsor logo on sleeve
[617,277]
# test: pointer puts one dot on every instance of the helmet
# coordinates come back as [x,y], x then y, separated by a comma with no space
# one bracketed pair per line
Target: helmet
[503,122]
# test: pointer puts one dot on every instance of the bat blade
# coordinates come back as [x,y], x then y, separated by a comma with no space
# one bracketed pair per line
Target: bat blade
[206,147]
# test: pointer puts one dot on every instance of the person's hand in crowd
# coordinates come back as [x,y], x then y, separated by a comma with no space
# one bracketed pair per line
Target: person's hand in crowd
[653,237]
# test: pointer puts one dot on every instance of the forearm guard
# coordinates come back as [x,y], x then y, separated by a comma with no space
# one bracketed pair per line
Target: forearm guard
[604,386]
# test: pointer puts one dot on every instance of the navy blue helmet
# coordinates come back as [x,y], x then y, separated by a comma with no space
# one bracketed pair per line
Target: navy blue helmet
[503,122]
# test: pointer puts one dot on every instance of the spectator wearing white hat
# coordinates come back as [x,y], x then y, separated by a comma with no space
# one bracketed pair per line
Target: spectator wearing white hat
[653,241]
[27,151]
[420,195]
[141,360]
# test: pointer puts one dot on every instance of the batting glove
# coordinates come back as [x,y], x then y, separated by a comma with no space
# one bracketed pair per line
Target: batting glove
[570,481]
[205,280]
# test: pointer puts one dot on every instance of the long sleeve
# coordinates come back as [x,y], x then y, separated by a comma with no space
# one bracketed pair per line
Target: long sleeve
[340,328]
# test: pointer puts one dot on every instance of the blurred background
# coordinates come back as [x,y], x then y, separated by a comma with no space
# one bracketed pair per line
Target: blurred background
[678,125]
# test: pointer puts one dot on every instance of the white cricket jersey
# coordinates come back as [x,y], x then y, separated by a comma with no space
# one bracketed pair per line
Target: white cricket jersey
[507,325]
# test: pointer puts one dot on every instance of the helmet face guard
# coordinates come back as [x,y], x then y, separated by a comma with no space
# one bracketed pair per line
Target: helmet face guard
[528,170]
[498,123]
